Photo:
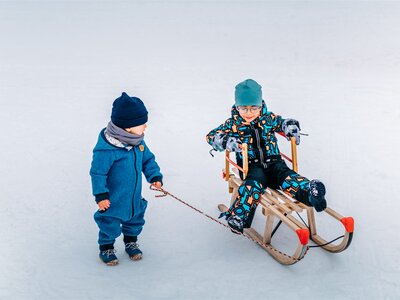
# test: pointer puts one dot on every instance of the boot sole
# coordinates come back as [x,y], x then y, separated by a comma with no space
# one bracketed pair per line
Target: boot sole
[111,263]
[321,203]
[234,228]
[136,257]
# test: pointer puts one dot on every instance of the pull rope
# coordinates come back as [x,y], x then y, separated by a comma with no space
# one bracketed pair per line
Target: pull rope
[166,193]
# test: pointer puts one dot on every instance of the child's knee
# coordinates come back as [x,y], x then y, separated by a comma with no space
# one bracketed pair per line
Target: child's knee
[254,184]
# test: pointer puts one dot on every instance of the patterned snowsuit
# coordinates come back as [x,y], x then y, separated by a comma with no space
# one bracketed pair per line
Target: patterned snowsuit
[266,167]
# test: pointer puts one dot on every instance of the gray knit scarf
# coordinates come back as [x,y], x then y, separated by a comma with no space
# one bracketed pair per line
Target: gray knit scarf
[122,135]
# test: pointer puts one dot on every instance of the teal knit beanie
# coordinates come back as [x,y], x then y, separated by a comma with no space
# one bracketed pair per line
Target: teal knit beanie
[248,93]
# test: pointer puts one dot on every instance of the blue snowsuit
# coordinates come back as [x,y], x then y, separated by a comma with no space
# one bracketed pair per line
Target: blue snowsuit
[117,175]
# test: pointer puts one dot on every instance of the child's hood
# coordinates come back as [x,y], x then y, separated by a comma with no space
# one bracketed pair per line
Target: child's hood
[239,119]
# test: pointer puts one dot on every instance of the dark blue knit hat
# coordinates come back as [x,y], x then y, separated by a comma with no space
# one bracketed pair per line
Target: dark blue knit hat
[128,112]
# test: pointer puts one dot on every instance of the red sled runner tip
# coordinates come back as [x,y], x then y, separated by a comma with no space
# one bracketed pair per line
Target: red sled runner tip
[348,223]
[303,235]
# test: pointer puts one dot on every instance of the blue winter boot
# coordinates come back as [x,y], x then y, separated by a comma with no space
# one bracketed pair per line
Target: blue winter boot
[107,255]
[316,195]
[132,248]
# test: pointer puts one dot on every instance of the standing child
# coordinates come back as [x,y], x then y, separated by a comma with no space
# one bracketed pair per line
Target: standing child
[253,124]
[119,158]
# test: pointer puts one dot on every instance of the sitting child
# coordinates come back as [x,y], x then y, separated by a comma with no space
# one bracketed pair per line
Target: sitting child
[253,124]
[119,158]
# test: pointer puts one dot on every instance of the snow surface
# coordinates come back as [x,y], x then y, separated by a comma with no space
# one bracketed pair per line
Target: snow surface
[334,66]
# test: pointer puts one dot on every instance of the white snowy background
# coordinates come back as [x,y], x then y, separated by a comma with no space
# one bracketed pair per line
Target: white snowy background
[334,66]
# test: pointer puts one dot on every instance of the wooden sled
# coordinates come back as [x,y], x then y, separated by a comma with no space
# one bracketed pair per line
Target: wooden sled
[276,205]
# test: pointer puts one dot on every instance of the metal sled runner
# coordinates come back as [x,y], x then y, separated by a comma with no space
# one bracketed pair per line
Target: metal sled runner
[276,205]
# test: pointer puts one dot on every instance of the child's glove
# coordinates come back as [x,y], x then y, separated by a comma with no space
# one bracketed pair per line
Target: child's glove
[222,142]
[291,128]
[233,144]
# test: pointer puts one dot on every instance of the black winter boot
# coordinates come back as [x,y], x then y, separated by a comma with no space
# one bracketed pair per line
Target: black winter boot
[316,195]
[235,223]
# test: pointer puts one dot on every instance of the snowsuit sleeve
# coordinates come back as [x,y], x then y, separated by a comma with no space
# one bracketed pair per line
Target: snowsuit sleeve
[101,164]
[276,121]
[150,168]
[224,128]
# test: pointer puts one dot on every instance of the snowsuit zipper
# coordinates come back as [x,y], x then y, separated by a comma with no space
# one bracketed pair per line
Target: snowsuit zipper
[136,179]
[258,139]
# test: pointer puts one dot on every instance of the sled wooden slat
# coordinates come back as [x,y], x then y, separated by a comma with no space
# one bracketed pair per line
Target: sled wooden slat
[278,255]
[272,201]
[269,223]
[294,154]
[234,193]
[245,161]
[333,213]
[287,200]
[311,220]
[227,167]
[280,215]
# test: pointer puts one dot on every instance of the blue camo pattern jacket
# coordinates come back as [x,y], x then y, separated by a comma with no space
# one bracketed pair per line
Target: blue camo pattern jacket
[262,144]
[116,175]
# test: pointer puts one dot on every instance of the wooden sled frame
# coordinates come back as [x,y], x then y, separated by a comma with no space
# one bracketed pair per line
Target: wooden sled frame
[277,204]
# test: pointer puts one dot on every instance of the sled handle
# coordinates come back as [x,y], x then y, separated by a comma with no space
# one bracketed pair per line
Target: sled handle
[245,160]
[293,145]
[294,154]
[229,161]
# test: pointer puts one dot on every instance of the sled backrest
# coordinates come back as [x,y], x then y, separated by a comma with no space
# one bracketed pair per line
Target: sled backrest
[245,167]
